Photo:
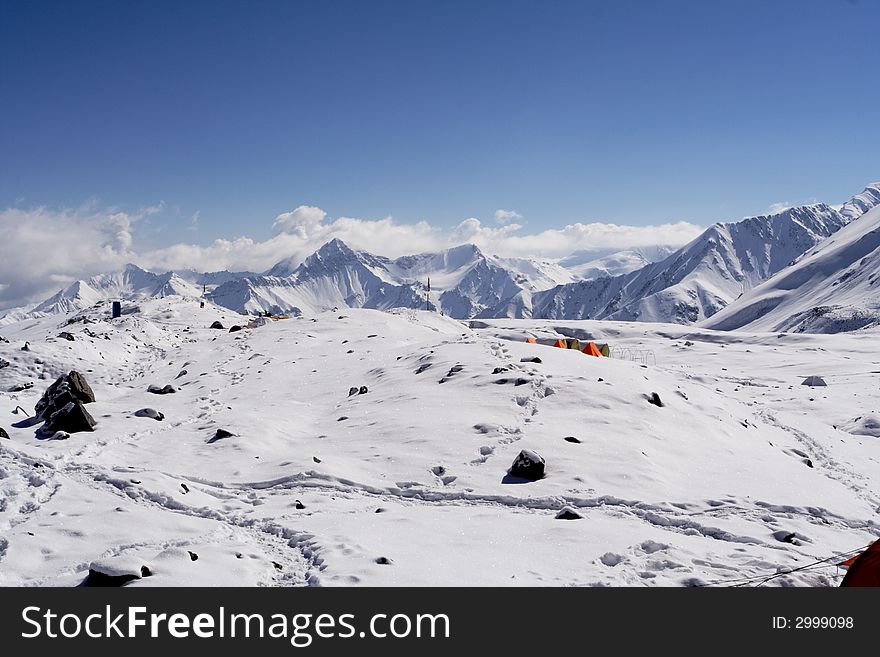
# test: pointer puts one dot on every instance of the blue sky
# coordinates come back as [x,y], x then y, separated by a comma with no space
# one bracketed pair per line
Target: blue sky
[626,112]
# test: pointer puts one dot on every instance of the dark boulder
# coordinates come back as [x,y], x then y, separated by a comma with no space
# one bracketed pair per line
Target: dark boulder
[363,391]
[568,513]
[216,325]
[72,418]
[352,391]
[3,433]
[150,413]
[220,434]
[527,465]
[530,359]
[156,390]
[233,329]
[70,387]
[64,335]
[654,398]
[571,439]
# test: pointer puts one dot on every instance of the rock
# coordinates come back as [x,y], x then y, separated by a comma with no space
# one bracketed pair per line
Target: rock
[568,513]
[341,418]
[352,391]
[520,382]
[64,335]
[572,439]
[4,363]
[220,434]
[379,510]
[363,391]
[654,398]
[185,488]
[499,370]
[97,578]
[151,413]
[316,459]
[167,390]
[299,505]
[26,347]
[181,373]
[21,387]
[216,325]
[383,561]
[530,359]
[60,435]
[527,465]
[70,387]
[350,351]
[3,433]
[235,328]
[192,555]
[72,418]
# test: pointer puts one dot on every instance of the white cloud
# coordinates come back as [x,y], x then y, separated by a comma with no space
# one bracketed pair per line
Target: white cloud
[300,221]
[41,250]
[776,208]
[506,216]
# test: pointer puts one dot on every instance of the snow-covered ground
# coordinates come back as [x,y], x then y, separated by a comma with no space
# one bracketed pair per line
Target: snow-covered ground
[742,473]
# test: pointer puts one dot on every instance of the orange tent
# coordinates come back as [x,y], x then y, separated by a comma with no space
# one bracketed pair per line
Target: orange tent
[532,340]
[591,350]
[865,569]
[561,344]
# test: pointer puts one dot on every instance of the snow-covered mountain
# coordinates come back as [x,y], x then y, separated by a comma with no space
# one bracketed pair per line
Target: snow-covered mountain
[835,287]
[590,265]
[702,277]
[642,284]
[861,203]
[131,284]
[465,282]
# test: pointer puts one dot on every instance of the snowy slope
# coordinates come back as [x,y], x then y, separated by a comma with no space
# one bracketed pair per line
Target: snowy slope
[407,483]
[702,277]
[616,263]
[861,203]
[835,287]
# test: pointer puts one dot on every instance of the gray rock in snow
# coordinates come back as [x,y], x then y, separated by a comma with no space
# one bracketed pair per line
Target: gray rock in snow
[527,465]
[72,418]
[568,513]
[70,387]
[156,390]
[3,433]
[654,398]
[150,413]
[220,434]
[216,325]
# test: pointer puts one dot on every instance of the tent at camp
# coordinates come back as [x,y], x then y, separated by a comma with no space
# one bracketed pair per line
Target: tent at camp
[561,344]
[592,350]
[532,340]
[814,381]
[864,569]
[605,350]
[574,343]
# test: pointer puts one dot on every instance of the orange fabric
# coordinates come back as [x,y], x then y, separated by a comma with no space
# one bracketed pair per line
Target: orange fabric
[865,570]
[532,340]
[849,562]
[592,350]
[561,344]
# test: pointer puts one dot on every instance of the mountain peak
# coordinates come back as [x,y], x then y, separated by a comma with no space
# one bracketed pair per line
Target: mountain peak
[335,246]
